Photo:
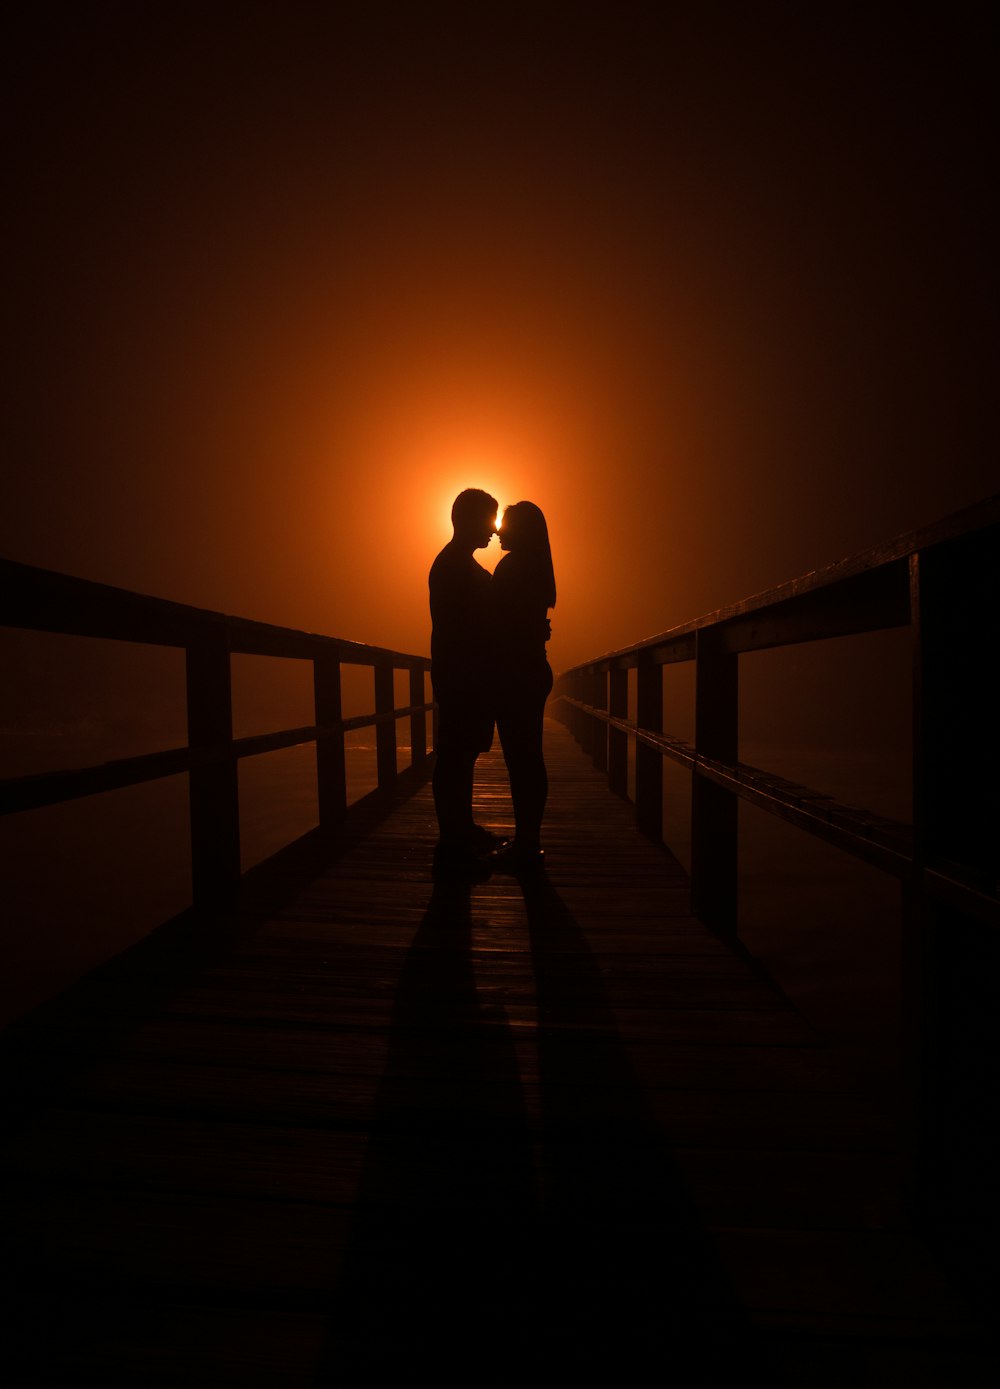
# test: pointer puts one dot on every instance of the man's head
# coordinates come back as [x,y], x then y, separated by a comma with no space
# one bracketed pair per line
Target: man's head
[474,516]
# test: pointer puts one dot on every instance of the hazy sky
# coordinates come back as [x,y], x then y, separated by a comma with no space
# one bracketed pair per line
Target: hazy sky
[712,284]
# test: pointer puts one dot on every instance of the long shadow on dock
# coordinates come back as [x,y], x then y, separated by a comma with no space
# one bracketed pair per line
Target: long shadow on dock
[497,1241]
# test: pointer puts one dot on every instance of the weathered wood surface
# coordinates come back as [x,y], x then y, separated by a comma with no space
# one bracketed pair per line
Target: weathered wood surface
[486,1135]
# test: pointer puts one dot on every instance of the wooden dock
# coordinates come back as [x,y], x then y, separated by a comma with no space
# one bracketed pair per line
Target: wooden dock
[551,1132]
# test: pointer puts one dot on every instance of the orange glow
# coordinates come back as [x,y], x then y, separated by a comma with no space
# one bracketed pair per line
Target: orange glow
[370,295]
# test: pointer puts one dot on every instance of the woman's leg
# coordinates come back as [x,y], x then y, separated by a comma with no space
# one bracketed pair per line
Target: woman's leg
[528,784]
[520,723]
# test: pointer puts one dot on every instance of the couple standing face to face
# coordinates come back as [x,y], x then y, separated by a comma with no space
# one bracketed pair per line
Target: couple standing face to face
[489,667]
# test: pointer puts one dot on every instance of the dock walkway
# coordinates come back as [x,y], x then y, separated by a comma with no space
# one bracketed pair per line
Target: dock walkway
[539,1133]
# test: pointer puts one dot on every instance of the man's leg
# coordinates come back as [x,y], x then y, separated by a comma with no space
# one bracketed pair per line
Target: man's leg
[452,785]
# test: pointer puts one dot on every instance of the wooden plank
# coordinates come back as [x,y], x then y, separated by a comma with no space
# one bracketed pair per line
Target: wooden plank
[114,1336]
[861,1275]
[689,1113]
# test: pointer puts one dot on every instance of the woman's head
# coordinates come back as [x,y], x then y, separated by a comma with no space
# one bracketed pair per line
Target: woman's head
[523,532]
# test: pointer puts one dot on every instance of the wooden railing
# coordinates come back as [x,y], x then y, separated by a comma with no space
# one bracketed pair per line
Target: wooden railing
[943,584]
[40,600]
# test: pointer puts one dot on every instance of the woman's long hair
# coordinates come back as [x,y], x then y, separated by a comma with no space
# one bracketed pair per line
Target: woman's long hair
[527,534]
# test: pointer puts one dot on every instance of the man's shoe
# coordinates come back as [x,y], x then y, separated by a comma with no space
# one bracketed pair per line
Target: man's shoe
[459,861]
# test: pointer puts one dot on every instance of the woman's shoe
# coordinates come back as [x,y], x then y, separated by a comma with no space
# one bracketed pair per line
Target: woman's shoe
[459,861]
[484,841]
[517,860]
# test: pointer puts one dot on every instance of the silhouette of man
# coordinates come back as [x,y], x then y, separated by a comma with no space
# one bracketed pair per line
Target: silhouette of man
[460,592]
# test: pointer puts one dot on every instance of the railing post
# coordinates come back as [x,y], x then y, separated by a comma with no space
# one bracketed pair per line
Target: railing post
[714,844]
[599,729]
[584,729]
[331,767]
[385,731]
[617,740]
[956,831]
[573,721]
[418,721]
[648,761]
[213,783]
[919,1010]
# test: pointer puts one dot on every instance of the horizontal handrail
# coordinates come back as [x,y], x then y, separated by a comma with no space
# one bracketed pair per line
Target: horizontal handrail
[863,593]
[941,583]
[880,841]
[50,788]
[45,601]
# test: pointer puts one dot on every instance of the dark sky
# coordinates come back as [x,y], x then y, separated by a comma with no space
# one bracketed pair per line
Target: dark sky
[713,284]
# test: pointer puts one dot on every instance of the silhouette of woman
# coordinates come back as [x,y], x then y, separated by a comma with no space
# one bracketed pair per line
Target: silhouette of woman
[524,588]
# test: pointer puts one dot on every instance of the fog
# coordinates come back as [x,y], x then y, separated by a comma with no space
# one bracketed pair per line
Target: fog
[714,291]
[714,286]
